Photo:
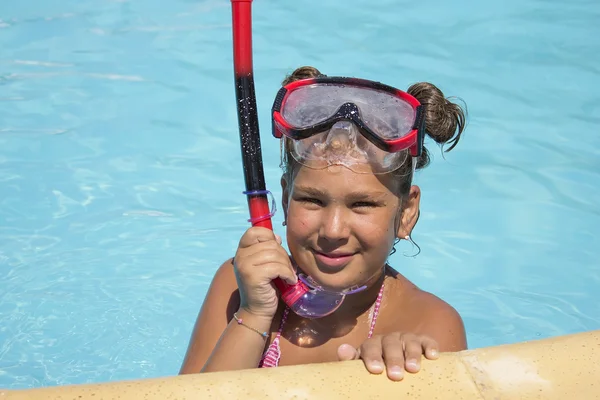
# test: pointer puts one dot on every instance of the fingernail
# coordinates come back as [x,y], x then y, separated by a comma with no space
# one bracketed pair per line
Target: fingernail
[396,372]
[345,346]
[412,364]
[433,353]
[376,366]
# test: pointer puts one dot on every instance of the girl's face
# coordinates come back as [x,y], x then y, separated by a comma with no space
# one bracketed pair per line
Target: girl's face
[341,225]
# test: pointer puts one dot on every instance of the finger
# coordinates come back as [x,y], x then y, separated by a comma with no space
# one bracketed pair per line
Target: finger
[278,270]
[430,348]
[393,353]
[347,352]
[264,274]
[413,350]
[271,256]
[372,356]
[270,245]
[266,256]
[254,235]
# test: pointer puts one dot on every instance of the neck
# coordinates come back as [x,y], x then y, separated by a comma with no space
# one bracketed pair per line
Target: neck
[357,304]
[314,332]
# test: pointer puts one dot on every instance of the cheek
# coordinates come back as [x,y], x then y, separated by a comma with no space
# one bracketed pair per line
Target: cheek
[377,232]
[299,225]
[300,221]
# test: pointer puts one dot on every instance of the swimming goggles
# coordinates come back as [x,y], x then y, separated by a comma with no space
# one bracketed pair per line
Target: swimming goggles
[313,285]
[361,124]
[314,301]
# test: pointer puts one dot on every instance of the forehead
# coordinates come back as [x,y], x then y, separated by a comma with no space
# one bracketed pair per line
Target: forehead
[338,180]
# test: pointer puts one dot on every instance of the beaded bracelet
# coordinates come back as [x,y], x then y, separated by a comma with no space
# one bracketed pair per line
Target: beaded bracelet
[241,322]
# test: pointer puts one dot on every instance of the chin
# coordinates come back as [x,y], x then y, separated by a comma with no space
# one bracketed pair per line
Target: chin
[335,275]
[334,280]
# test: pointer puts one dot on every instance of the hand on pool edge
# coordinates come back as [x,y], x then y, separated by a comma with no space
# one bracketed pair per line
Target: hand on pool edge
[395,352]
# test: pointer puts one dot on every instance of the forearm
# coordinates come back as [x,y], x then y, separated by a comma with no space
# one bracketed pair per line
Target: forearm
[239,347]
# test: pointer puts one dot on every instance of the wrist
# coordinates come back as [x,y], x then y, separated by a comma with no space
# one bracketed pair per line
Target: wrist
[258,324]
[257,318]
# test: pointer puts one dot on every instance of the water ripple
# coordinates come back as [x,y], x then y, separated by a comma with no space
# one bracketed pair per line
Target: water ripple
[121,175]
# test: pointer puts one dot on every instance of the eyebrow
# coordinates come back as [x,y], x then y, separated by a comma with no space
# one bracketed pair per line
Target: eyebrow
[309,190]
[356,195]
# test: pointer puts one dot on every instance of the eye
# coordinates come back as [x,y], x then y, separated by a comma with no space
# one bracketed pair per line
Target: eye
[365,204]
[310,200]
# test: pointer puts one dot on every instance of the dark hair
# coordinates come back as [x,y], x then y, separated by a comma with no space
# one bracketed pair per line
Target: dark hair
[444,123]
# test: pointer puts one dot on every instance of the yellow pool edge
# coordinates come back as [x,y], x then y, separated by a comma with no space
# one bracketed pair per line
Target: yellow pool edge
[553,368]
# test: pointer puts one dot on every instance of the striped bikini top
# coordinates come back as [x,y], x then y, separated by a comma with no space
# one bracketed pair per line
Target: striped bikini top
[273,353]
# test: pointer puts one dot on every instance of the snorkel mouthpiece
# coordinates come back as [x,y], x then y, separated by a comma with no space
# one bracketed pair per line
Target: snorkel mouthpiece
[318,301]
[310,303]
[316,304]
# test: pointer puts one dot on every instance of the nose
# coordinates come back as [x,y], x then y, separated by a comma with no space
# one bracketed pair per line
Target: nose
[341,136]
[334,225]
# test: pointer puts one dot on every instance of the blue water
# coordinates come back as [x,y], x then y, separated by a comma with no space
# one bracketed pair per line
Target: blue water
[120,168]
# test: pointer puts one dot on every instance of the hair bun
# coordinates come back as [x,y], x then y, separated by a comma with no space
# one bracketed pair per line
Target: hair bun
[444,120]
[302,73]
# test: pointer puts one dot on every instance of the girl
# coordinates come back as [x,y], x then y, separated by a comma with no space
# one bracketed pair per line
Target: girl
[349,151]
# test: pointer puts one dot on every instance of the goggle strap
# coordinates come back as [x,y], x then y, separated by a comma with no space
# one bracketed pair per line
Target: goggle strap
[420,127]
[312,286]
[279,99]
[355,290]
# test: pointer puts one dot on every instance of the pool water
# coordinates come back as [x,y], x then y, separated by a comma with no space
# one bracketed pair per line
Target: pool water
[121,179]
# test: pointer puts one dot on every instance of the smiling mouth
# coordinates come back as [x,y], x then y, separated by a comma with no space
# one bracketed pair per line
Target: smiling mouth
[334,255]
[334,261]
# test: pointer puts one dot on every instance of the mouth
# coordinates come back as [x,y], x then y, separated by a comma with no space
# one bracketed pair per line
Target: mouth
[333,260]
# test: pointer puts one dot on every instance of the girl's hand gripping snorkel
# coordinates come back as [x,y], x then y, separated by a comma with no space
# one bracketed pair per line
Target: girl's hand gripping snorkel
[259,260]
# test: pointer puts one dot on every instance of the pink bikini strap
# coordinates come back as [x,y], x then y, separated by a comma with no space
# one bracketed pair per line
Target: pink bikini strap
[283,319]
[376,311]
[273,353]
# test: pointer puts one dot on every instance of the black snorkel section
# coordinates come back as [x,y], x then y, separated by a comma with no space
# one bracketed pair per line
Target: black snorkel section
[254,178]
[247,114]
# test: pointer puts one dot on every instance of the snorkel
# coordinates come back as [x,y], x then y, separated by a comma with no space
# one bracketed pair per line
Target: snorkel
[306,301]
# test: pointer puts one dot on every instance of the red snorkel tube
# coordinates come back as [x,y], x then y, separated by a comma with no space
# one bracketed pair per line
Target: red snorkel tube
[256,192]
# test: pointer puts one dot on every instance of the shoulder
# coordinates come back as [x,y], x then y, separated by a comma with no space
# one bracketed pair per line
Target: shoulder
[221,301]
[442,322]
[225,274]
[224,287]
[429,315]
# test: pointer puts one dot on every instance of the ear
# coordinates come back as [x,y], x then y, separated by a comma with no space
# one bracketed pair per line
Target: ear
[285,196]
[410,212]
